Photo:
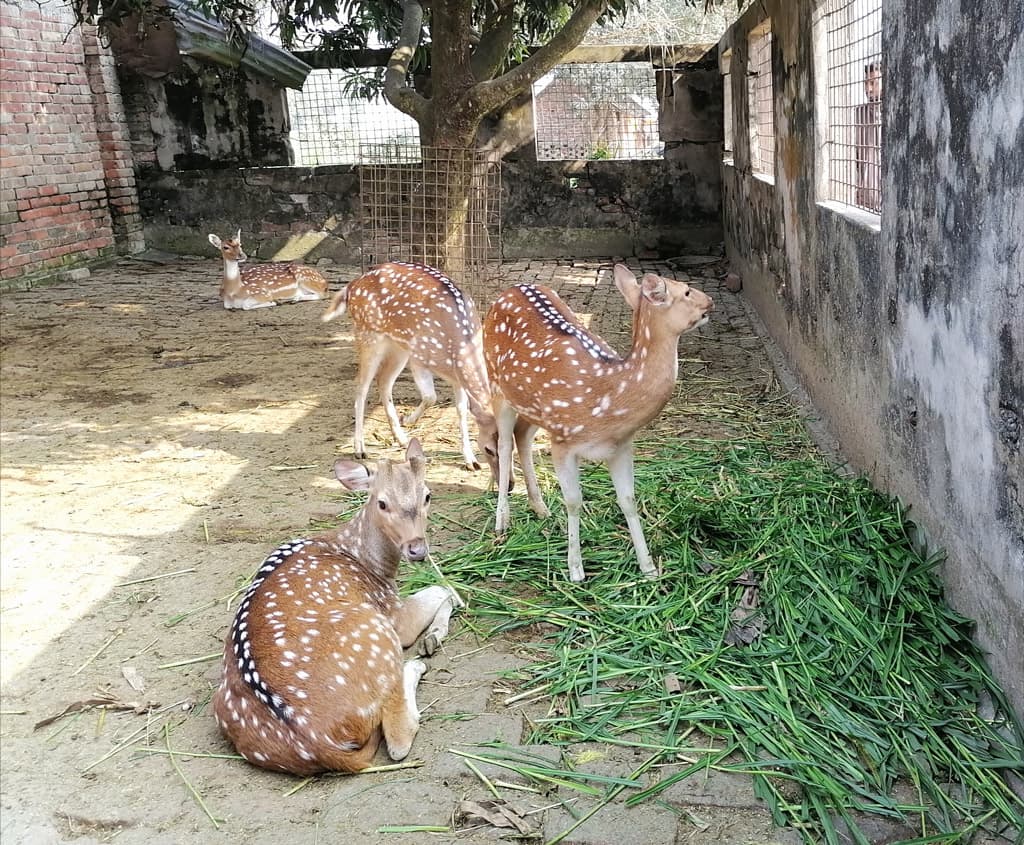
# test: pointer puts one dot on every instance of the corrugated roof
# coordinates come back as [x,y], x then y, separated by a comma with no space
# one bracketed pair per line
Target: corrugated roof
[206,39]
[155,49]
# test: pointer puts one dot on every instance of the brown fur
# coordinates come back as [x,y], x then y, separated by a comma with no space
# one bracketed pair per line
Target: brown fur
[548,371]
[313,675]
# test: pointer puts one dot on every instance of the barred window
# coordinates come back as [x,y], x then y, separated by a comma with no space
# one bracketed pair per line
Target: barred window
[597,111]
[333,124]
[854,55]
[726,68]
[761,101]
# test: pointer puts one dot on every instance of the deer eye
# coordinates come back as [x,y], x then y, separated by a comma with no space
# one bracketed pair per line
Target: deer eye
[382,504]
[426,499]
[490,450]
[687,292]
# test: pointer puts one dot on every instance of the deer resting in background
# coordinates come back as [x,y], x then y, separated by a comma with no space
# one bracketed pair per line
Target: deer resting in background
[548,371]
[264,285]
[313,672]
[413,314]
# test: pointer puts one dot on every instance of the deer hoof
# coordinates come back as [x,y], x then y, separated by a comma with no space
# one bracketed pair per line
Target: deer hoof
[430,643]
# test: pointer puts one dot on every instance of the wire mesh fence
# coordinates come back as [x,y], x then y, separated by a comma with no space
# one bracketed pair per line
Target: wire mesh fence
[854,48]
[596,111]
[443,210]
[762,116]
[331,121]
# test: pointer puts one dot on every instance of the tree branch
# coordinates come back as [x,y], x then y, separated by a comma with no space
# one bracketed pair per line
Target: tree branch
[493,94]
[398,92]
[495,40]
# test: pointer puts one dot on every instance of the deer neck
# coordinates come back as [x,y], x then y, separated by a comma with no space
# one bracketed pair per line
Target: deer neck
[474,379]
[361,540]
[232,276]
[652,365]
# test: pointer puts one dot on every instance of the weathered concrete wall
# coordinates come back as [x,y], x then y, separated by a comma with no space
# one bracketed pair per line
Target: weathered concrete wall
[284,212]
[907,329]
[609,208]
[554,209]
[205,116]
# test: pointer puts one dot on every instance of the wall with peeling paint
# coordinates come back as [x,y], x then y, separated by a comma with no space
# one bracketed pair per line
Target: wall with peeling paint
[204,116]
[908,329]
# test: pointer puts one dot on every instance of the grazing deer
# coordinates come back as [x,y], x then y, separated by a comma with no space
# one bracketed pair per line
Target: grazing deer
[313,672]
[548,371]
[264,285]
[413,314]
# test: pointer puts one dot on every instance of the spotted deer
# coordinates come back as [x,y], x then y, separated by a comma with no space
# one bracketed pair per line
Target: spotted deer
[264,285]
[548,371]
[413,314]
[313,673]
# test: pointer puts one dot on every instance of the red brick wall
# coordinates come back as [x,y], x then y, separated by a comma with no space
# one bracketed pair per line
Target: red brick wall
[67,188]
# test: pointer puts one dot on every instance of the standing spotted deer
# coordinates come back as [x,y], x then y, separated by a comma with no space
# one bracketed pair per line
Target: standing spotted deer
[413,314]
[264,285]
[548,371]
[313,672]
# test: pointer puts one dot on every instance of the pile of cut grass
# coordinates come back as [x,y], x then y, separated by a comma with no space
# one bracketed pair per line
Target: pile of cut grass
[862,677]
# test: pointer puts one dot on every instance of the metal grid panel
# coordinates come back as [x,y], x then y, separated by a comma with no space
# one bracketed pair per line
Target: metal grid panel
[727,116]
[330,123]
[854,30]
[597,111]
[443,211]
[759,89]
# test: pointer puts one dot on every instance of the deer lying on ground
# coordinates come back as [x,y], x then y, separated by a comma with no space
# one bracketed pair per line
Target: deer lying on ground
[548,371]
[264,285]
[313,673]
[413,314]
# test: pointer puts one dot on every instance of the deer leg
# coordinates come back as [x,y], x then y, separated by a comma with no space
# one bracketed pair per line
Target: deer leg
[371,354]
[391,367]
[505,416]
[428,397]
[427,613]
[567,468]
[253,304]
[400,717]
[524,445]
[620,467]
[462,409]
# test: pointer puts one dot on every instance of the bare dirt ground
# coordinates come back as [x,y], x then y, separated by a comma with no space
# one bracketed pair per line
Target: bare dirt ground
[155,449]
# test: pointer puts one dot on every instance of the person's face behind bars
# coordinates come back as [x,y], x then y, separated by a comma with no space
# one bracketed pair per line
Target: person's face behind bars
[873,82]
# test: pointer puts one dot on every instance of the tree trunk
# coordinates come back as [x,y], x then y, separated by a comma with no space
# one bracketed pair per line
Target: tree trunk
[448,231]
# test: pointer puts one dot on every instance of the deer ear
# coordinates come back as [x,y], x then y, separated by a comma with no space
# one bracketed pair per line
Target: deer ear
[414,455]
[352,474]
[654,289]
[214,240]
[626,282]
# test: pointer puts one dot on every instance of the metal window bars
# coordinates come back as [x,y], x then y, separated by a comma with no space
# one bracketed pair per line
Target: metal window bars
[854,50]
[760,100]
